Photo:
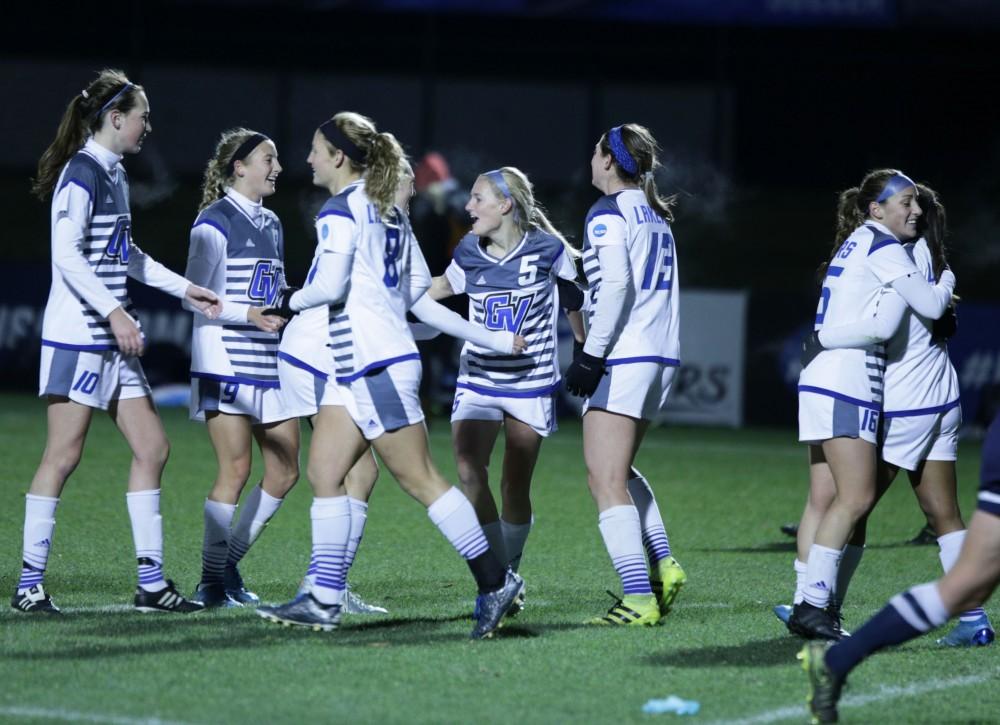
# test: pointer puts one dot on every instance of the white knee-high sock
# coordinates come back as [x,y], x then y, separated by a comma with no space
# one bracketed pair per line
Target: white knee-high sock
[800,580]
[514,536]
[849,561]
[493,531]
[331,530]
[622,535]
[456,519]
[258,508]
[949,548]
[39,525]
[654,534]
[821,574]
[147,534]
[359,517]
[215,544]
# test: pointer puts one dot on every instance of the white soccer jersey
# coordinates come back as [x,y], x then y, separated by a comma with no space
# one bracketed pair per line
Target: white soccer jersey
[869,260]
[651,329]
[93,253]
[517,293]
[919,376]
[237,251]
[368,329]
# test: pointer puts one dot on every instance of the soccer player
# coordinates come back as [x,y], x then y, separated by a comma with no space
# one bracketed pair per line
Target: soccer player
[369,270]
[921,412]
[840,390]
[966,586]
[627,365]
[91,342]
[237,250]
[305,367]
[516,268]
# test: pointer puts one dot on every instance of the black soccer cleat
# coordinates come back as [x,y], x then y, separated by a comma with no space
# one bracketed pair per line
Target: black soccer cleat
[492,606]
[34,600]
[813,623]
[303,611]
[824,685]
[165,600]
[235,589]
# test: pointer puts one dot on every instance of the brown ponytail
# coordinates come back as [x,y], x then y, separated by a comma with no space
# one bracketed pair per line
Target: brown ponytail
[84,116]
[643,148]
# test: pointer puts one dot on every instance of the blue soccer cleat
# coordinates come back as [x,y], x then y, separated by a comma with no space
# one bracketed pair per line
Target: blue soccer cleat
[236,589]
[978,633]
[783,612]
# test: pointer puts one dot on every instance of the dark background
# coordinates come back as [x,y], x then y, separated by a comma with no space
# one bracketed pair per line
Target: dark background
[764,109]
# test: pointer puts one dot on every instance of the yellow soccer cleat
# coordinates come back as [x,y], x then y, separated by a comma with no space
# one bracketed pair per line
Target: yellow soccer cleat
[630,610]
[666,579]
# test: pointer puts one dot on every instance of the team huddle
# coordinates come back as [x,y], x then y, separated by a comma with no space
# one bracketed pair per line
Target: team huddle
[340,352]
[877,392]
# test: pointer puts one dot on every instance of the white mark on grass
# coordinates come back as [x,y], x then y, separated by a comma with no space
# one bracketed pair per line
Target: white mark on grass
[72,716]
[885,693]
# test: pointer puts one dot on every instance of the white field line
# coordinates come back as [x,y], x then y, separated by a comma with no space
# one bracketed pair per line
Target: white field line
[72,716]
[885,693]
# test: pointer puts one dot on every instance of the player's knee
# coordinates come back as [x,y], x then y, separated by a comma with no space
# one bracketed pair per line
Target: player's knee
[153,454]
[63,462]
[235,470]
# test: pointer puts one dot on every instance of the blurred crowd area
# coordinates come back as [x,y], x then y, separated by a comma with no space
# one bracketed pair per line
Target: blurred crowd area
[764,111]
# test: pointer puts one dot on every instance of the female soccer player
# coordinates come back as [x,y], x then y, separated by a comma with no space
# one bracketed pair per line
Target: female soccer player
[627,364]
[369,269]
[840,391]
[90,339]
[305,368]
[510,265]
[237,250]
[966,586]
[921,411]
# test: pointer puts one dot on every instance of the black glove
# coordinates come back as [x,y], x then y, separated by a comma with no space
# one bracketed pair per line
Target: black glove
[584,374]
[945,327]
[577,348]
[570,296]
[811,347]
[281,308]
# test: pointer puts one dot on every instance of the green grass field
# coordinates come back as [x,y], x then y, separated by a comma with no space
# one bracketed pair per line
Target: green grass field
[723,494]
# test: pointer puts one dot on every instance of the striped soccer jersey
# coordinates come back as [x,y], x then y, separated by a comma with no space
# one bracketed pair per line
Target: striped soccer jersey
[651,328]
[71,321]
[518,294]
[249,271]
[867,262]
[919,376]
[368,328]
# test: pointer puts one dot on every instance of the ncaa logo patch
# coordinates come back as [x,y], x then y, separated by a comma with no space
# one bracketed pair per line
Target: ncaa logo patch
[600,230]
[326,231]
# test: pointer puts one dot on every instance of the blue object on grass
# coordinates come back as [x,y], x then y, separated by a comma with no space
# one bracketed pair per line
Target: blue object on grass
[672,704]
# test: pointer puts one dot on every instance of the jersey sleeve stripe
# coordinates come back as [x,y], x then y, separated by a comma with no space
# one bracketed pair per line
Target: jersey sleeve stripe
[880,244]
[79,183]
[215,225]
[336,212]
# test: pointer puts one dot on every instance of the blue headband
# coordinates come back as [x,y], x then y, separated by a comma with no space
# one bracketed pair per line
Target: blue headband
[620,151]
[114,98]
[896,183]
[496,176]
